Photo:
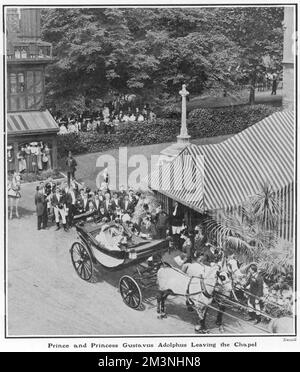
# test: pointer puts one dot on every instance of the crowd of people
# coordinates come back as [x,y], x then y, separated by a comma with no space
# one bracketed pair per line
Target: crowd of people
[268,81]
[68,203]
[32,157]
[105,121]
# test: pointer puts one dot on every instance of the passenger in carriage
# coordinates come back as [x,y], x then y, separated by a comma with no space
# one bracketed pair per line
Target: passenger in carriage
[199,242]
[187,245]
[255,284]
[211,255]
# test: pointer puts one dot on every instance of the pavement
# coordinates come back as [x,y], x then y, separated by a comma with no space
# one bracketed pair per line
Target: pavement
[46,297]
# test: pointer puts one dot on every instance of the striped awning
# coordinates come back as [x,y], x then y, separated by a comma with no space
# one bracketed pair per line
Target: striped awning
[30,122]
[182,179]
[237,168]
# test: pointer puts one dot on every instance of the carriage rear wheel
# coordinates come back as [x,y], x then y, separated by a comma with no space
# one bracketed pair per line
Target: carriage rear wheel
[82,261]
[130,292]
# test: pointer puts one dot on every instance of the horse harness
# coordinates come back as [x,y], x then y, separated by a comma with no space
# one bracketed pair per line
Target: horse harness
[202,286]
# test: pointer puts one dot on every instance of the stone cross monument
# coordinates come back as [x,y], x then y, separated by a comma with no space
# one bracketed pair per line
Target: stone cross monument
[183,140]
[183,137]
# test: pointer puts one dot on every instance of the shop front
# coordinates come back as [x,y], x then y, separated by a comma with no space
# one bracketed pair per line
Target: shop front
[31,142]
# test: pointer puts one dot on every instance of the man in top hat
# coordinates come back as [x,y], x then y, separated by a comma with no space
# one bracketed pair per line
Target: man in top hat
[211,255]
[71,167]
[255,284]
[39,201]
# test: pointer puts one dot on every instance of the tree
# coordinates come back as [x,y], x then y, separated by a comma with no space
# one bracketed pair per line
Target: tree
[252,233]
[258,31]
[104,52]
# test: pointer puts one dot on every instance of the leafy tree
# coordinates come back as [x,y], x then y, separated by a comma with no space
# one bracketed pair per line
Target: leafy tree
[104,52]
[258,31]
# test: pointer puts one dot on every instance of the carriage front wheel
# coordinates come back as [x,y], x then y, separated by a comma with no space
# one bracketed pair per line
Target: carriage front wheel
[82,261]
[130,292]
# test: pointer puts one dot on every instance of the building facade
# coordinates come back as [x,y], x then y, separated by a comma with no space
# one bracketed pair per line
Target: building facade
[289,52]
[31,130]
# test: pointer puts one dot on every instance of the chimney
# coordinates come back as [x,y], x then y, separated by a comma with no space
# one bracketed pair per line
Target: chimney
[12,23]
[30,23]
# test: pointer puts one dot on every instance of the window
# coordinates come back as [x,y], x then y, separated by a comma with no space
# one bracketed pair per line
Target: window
[25,90]
[13,83]
[21,82]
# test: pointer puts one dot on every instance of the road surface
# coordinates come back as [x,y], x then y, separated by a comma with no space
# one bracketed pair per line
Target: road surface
[45,296]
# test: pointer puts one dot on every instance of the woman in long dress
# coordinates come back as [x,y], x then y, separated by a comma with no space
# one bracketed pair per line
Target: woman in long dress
[39,157]
[10,159]
[28,158]
[21,158]
[47,153]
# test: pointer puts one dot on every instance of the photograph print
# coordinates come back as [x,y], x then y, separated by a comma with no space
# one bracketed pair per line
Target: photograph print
[150,157]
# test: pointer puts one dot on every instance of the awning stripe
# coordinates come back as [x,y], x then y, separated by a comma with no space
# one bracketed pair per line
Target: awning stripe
[30,121]
[237,168]
[15,121]
[20,117]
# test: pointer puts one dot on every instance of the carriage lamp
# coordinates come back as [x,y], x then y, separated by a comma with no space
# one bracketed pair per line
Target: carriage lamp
[132,254]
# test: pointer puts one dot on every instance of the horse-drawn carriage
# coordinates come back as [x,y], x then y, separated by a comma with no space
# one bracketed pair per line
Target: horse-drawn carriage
[114,246]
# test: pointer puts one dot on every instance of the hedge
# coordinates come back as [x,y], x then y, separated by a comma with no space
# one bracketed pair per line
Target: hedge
[202,123]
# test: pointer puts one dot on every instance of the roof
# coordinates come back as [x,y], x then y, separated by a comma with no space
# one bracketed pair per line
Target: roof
[234,170]
[31,122]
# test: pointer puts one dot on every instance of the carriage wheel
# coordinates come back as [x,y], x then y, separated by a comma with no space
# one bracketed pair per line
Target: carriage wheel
[82,261]
[130,292]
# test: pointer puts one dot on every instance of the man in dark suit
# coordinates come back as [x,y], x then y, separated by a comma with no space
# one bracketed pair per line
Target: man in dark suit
[70,205]
[71,167]
[176,220]
[108,205]
[44,191]
[162,222]
[211,255]
[126,205]
[97,203]
[256,289]
[122,193]
[39,201]
[116,201]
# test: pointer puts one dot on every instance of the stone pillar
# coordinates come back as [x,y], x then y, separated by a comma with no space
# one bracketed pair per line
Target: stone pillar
[183,137]
[54,153]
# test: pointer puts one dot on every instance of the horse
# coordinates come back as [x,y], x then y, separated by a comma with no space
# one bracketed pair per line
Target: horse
[196,285]
[13,193]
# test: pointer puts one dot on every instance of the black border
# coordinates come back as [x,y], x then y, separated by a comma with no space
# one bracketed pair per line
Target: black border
[295,5]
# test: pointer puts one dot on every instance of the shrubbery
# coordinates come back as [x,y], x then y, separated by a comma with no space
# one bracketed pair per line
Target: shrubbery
[201,123]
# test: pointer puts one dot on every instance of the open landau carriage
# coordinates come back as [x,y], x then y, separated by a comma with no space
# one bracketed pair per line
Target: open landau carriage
[114,246]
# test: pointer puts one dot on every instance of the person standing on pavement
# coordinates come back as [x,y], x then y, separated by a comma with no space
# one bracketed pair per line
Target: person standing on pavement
[177,224]
[45,213]
[39,201]
[59,205]
[274,84]
[162,222]
[71,167]
[255,284]
[70,205]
